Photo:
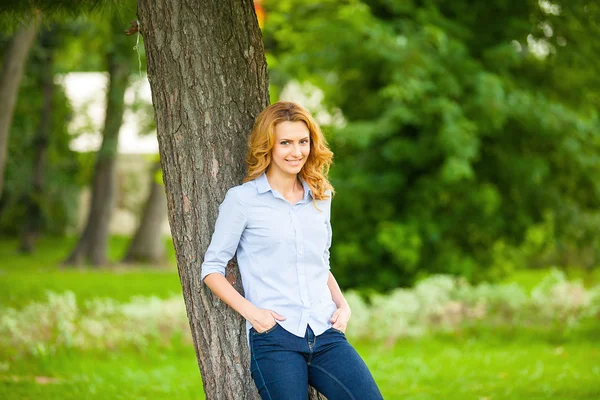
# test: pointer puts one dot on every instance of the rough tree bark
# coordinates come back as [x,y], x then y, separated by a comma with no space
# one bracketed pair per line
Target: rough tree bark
[147,244]
[92,244]
[10,79]
[33,216]
[208,76]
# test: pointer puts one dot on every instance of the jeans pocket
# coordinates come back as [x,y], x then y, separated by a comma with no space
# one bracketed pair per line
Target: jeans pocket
[271,329]
[338,331]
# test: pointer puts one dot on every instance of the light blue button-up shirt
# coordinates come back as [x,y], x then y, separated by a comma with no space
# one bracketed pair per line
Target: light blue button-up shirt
[282,253]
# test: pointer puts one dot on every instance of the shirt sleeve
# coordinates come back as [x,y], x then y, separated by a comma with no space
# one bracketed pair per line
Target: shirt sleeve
[326,254]
[230,224]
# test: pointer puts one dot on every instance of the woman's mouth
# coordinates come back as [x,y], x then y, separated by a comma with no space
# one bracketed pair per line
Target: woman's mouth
[295,162]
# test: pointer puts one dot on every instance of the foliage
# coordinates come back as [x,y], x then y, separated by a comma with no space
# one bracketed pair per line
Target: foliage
[81,44]
[442,303]
[59,323]
[459,137]
[60,189]
[52,11]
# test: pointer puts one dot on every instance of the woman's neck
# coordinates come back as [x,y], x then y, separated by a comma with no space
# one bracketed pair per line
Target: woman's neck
[284,184]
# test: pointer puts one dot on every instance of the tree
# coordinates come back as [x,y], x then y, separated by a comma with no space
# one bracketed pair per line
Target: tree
[147,244]
[208,75]
[92,244]
[459,137]
[32,226]
[42,175]
[50,209]
[10,79]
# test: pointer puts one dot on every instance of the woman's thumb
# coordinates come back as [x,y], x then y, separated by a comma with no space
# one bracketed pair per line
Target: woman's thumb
[277,316]
[334,317]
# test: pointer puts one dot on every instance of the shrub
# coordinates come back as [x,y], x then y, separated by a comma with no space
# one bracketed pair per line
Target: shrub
[436,304]
[44,327]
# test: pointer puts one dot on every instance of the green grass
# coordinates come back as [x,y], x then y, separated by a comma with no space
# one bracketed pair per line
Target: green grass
[479,364]
[474,369]
[25,278]
[151,373]
[434,368]
[51,251]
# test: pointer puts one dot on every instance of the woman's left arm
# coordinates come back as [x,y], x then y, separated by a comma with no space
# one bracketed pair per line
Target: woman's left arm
[341,316]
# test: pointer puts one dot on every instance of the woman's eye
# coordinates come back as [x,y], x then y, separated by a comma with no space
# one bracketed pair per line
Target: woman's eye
[304,141]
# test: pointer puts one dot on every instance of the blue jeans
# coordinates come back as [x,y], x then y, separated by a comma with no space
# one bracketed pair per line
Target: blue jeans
[283,365]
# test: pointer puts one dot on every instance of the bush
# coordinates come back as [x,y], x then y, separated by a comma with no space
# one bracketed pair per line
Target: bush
[42,328]
[438,304]
[446,304]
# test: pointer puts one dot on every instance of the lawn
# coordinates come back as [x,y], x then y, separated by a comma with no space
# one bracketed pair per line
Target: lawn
[471,365]
[25,278]
[433,368]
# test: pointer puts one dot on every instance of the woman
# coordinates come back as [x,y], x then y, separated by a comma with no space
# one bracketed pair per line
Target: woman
[278,222]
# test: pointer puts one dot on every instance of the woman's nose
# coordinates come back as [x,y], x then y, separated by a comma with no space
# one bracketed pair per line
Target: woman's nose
[296,151]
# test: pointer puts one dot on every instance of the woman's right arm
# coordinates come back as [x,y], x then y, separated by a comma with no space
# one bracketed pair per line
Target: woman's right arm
[221,287]
[259,318]
[229,227]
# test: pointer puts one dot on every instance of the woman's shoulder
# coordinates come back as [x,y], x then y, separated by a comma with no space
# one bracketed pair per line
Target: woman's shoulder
[327,195]
[324,204]
[238,198]
[242,192]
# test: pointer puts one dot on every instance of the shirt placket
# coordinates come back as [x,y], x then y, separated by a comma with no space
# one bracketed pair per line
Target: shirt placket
[301,267]
[300,264]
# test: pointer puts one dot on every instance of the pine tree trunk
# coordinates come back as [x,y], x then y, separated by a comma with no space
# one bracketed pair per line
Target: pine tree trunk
[147,244]
[208,76]
[92,244]
[10,79]
[33,202]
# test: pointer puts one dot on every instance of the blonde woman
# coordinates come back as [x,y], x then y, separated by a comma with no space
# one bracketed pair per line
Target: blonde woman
[278,222]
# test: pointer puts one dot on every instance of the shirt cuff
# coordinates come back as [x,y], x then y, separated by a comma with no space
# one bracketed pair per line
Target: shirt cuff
[211,269]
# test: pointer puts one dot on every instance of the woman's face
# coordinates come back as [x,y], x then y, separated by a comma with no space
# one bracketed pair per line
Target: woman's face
[291,149]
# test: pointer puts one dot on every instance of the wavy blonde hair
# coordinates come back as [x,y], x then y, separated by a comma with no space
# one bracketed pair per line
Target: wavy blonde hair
[262,139]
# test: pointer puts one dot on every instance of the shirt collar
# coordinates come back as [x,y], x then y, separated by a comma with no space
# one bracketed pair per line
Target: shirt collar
[262,185]
[307,189]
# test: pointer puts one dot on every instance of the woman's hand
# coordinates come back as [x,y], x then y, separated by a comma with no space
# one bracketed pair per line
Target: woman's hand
[340,318]
[262,320]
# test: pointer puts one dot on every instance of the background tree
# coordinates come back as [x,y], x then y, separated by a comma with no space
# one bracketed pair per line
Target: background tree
[148,244]
[10,79]
[33,203]
[42,172]
[458,142]
[92,245]
[24,18]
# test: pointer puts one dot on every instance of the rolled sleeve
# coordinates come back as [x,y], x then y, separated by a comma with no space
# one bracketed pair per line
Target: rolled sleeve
[230,224]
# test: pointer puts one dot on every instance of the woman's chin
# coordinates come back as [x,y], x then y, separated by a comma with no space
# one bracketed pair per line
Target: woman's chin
[295,170]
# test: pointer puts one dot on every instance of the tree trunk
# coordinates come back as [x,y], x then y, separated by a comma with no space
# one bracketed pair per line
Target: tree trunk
[34,214]
[92,244]
[208,76]
[147,244]
[12,72]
